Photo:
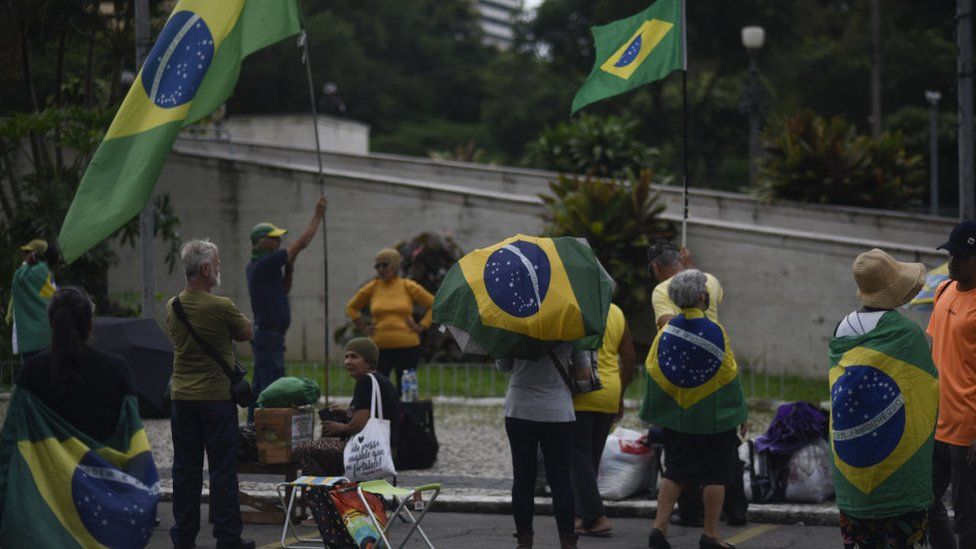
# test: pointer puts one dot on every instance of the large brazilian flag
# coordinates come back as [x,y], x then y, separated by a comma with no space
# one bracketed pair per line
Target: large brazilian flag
[884,394]
[61,489]
[694,380]
[191,70]
[521,297]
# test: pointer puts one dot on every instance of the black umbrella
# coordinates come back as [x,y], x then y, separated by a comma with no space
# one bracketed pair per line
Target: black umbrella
[149,354]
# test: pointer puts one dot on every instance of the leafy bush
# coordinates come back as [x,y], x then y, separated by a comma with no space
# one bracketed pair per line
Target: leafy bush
[592,145]
[619,219]
[809,158]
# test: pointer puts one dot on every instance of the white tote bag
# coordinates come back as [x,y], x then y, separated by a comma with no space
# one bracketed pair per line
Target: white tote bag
[367,455]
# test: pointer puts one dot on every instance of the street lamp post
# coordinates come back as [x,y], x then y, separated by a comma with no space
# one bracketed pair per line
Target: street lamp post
[933,98]
[753,38]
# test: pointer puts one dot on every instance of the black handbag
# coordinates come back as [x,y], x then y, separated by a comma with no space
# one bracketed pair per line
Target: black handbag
[240,389]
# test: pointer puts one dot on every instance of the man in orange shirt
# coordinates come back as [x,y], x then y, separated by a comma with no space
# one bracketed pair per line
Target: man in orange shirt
[953,331]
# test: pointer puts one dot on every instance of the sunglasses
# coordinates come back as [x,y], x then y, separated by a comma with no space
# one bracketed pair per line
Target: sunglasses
[381,265]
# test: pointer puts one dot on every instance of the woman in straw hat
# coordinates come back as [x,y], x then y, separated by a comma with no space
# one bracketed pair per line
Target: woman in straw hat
[391,300]
[884,399]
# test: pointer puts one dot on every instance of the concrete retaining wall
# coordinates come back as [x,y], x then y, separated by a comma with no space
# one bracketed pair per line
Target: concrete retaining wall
[785,287]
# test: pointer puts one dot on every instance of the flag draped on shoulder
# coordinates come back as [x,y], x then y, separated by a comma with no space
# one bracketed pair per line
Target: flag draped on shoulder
[694,379]
[61,489]
[884,393]
[191,70]
[635,51]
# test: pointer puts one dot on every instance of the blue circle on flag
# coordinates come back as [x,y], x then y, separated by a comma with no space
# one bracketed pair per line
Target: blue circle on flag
[692,354]
[868,415]
[628,56]
[179,60]
[517,278]
[118,508]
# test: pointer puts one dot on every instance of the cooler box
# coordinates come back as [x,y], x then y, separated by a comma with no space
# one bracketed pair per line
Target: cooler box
[278,430]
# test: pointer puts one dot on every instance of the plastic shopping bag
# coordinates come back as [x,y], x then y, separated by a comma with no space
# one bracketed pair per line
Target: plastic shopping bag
[627,465]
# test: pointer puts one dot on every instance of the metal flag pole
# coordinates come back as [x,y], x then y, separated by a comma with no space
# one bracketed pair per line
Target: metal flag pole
[307,61]
[684,117]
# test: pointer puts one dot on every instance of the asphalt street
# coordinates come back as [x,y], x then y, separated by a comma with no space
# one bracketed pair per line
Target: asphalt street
[481,531]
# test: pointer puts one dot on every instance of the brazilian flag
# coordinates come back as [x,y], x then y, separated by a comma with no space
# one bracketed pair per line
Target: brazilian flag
[61,489]
[884,394]
[635,51]
[694,380]
[524,295]
[191,70]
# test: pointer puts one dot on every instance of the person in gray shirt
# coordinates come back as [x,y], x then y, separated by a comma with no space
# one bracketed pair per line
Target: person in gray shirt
[539,413]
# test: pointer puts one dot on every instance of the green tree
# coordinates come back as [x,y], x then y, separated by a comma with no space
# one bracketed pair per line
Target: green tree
[591,144]
[619,219]
[810,158]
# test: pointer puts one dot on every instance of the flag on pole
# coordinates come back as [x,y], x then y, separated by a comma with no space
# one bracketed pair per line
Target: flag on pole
[635,51]
[191,70]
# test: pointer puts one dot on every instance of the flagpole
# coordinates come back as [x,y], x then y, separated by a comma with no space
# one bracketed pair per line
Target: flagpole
[307,61]
[684,117]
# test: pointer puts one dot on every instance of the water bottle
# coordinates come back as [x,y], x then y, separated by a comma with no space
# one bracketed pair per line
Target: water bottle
[409,385]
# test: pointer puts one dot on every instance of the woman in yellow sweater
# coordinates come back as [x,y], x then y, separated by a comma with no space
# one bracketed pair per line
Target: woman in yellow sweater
[391,300]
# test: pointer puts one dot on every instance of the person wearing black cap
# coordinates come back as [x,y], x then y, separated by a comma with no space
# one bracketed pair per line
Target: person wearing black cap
[952,327]
[269,277]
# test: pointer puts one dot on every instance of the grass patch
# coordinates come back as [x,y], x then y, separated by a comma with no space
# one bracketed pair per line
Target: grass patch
[480,379]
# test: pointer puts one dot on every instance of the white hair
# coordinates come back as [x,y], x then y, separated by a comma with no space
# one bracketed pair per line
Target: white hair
[686,288]
[195,254]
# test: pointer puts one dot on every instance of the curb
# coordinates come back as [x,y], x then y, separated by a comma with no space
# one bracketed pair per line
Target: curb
[821,514]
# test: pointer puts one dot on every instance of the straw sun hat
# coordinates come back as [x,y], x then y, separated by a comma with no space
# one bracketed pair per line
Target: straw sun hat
[883,282]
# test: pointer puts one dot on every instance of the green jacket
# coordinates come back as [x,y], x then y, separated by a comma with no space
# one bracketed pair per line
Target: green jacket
[30,292]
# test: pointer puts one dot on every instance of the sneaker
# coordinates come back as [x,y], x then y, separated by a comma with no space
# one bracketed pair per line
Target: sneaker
[657,540]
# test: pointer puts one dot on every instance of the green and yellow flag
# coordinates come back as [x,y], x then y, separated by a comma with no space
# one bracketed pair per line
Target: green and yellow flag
[61,489]
[884,394]
[694,380]
[191,70]
[635,51]
[524,295]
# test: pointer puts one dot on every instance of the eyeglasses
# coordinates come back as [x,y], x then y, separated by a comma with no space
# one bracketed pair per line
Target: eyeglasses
[381,265]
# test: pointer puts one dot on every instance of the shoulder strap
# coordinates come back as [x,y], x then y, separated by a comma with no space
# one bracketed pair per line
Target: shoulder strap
[376,406]
[562,371]
[211,352]
[941,290]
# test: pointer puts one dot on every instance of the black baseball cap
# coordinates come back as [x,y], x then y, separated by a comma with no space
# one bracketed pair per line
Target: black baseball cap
[962,241]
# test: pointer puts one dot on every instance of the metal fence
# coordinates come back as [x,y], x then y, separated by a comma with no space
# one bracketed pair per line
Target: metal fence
[479,380]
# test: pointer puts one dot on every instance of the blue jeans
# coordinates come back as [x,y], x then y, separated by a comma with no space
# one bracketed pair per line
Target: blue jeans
[198,426]
[269,362]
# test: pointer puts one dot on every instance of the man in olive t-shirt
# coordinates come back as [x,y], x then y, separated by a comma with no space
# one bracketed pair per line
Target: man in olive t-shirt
[204,416]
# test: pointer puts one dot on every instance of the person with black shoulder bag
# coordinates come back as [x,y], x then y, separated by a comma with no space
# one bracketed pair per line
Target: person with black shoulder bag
[207,387]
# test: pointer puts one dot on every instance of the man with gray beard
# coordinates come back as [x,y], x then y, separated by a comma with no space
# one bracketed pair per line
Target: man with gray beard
[204,416]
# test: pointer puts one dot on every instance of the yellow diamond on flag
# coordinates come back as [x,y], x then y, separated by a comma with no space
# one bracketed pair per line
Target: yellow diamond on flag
[629,56]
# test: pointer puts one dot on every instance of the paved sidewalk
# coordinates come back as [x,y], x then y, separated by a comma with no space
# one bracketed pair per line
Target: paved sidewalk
[474,465]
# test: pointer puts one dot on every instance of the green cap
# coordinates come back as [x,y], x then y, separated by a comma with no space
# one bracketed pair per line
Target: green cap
[37,246]
[262,230]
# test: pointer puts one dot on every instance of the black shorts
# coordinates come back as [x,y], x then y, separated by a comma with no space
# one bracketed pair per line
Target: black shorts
[704,459]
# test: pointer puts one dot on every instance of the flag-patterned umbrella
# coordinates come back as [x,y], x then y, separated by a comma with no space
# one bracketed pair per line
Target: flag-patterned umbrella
[523,296]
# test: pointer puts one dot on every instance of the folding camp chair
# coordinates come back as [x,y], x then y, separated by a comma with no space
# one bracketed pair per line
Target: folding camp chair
[401,497]
[291,490]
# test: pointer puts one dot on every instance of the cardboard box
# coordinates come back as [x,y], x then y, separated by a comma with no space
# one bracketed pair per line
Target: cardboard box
[278,430]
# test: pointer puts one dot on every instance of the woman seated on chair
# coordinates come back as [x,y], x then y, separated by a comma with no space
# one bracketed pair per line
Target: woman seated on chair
[323,457]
